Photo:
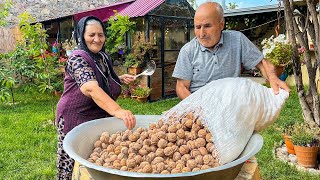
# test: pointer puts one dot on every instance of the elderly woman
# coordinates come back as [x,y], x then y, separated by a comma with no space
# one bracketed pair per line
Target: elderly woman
[91,88]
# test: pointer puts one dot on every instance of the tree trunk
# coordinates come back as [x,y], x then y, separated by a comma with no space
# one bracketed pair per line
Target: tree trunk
[297,26]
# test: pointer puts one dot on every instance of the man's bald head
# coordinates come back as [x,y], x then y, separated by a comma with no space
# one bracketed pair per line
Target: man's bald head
[212,8]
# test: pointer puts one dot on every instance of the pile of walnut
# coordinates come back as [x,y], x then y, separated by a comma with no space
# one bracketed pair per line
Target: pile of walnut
[171,147]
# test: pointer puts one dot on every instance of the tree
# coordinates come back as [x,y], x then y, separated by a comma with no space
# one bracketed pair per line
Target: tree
[232,5]
[193,3]
[301,22]
[4,12]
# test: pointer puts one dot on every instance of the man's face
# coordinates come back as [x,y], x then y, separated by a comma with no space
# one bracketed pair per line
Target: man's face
[207,28]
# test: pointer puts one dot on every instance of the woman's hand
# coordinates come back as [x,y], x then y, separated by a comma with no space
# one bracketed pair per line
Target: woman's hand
[127,117]
[127,78]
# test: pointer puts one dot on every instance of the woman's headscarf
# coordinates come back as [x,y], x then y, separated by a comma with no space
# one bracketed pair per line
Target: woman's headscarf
[79,36]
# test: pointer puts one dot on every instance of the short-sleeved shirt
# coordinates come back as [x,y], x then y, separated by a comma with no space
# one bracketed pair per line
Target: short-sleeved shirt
[201,65]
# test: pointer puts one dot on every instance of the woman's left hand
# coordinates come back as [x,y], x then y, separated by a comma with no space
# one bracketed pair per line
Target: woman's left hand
[127,78]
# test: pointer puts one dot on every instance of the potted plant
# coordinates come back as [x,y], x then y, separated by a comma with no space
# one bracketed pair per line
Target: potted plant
[279,52]
[142,93]
[69,46]
[287,131]
[133,64]
[305,145]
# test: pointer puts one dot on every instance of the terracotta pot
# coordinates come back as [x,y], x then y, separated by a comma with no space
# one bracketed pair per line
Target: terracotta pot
[57,93]
[307,156]
[289,144]
[142,99]
[134,70]
[279,70]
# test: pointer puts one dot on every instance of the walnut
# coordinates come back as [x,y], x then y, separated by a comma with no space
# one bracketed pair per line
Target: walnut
[124,137]
[200,142]
[184,149]
[191,144]
[144,163]
[164,128]
[160,152]
[160,167]
[189,123]
[160,123]
[121,156]
[172,137]
[203,167]
[190,115]
[131,163]
[193,135]
[117,150]
[105,145]
[154,139]
[196,169]
[143,152]
[152,126]
[186,157]
[202,133]
[113,158]
[150,157]
[140,130]
[137,158]
[181,142]
[147,142]
[144,135]
[172,128]
[210,147]
[162,143]
[95,154]
[153,148]
[203,151]
[199,159]
[194,153]
[191,163]
[98,150]
[208,137]
[176,170]
[168,151]
[161,135]
[91,160]
[180,166]
[124,150]
[134,137]
[170,165]
[199,122]
[116,143]
[180,133]
[195,127]
[98,144]
[107,164]
[147,169]
[175,148]
[157,160]
[105,134]
[112,138]
[179,126]
[104,138]
[176,156]
[99,161]
[207,159]
[123,162]
[125,144]
[124,168]
[131,150]
[186,169]
[136,146]
[165,172]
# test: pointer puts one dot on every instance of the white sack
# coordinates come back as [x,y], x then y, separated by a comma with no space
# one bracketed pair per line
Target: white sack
[232,108]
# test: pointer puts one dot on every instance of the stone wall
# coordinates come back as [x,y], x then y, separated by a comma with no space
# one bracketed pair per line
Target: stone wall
[50,9]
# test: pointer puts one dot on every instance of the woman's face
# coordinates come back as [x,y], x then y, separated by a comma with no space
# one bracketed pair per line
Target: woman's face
[94,37]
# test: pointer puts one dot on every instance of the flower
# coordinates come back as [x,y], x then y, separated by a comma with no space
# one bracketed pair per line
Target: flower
[277,50]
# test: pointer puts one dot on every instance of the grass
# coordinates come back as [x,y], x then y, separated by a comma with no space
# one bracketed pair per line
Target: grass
[28,137]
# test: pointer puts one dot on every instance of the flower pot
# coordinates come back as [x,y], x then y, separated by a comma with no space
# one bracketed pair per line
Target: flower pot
[57,93]
[307,156]
[142,99]
[134,70]
[289,144]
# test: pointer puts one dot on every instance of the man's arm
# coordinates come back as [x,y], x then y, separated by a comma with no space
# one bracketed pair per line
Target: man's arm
[182,88]
[268,71]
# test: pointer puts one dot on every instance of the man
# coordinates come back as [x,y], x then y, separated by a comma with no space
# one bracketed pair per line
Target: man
[214,54]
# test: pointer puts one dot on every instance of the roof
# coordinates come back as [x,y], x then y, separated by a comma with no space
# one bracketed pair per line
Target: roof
[251,10]
[140,7]
[104,12]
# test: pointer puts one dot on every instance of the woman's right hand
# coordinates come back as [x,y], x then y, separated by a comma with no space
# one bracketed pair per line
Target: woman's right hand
[127,117]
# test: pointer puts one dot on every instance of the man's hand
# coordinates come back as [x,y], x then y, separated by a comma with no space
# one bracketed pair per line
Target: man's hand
[268,71]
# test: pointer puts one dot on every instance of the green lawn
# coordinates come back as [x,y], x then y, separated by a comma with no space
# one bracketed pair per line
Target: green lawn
[28,137]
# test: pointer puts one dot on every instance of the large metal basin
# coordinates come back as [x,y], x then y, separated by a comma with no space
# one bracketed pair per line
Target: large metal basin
[79,142]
